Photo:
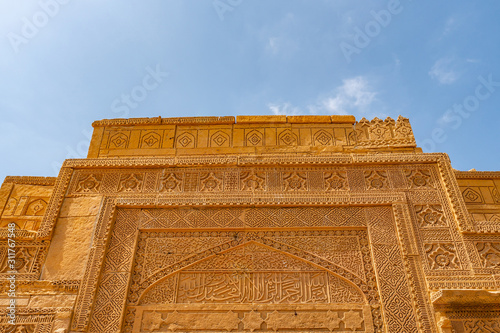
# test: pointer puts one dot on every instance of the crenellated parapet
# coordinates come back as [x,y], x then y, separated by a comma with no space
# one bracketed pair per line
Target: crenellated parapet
[384,133]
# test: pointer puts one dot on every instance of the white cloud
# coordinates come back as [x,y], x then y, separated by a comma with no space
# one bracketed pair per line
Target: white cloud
[283,109]
[354,95]
[443,71]
[279,38]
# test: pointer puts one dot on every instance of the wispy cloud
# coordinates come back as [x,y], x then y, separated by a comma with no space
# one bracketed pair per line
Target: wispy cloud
[444,71]
[450,25]
[278,38]
[473,61]
[272,45]
[355,95]
[284,109]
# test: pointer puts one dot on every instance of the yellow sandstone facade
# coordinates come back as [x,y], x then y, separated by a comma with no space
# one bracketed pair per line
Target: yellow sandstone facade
[253,224]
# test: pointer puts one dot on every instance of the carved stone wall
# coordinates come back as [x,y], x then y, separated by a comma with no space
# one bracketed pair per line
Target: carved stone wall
[294,236]
[248,134]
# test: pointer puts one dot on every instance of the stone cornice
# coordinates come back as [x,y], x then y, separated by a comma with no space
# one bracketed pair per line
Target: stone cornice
[247,160]
[477,174]
[31,180]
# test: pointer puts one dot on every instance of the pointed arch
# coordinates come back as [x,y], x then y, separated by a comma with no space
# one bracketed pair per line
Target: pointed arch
[254,260]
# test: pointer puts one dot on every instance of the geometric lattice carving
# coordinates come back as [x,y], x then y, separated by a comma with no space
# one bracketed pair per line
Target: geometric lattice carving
[482,325]
[253,218]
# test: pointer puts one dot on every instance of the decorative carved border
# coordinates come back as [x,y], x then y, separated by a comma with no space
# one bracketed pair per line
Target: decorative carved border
[87,294]
[477,174]
[50,218]
[249,160]
[463,218]
[165,121]
[31,180]
[85,300]
[414,268]
[61,185]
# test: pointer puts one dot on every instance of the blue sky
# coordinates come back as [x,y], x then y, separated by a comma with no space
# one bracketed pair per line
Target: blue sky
[66,63]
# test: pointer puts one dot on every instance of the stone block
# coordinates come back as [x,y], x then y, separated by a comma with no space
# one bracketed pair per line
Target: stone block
[278,119]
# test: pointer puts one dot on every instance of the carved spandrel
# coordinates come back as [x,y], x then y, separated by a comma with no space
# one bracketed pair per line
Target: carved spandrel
[343,249]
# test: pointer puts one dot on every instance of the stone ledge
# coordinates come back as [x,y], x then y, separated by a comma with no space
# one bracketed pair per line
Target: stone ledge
[465,297]
[228,120]
[165,121]
[261,119]
[477,174]
[31,180]
[337,119]
[309,119]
